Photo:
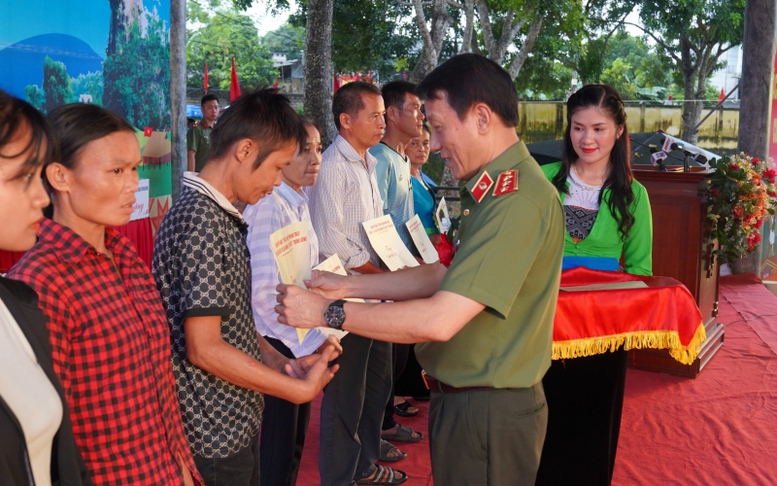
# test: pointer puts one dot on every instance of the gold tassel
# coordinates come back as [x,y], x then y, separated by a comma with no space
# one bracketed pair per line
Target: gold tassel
[670,340]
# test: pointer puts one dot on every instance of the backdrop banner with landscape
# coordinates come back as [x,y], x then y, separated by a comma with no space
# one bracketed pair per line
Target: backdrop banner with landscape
[112,53]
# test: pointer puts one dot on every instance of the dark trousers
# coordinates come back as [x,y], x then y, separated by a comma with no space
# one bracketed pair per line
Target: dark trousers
[239,469]
[410,383]
[399,360]
[352,411]
[284,425]
[487,437]
[585,401]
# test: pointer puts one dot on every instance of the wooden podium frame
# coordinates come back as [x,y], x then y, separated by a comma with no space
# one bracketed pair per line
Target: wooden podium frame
[683,250]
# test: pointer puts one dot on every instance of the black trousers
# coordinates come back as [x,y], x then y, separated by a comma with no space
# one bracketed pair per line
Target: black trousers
[410,383]
[284,425]
[352,411]
[585,401]
[399,359]
[239,469]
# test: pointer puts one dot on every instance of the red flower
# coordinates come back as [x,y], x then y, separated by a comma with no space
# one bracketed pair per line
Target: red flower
[733,166]
[715,192]
[770,174]
[756,160]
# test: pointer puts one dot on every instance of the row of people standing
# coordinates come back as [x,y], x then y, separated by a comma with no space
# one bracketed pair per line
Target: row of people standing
[135,418]
[201,269]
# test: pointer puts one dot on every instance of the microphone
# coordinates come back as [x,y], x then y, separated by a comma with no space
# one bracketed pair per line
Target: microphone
[657,158]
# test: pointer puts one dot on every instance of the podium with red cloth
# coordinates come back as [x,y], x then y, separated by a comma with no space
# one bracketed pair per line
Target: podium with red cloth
[591,319]
[683,250]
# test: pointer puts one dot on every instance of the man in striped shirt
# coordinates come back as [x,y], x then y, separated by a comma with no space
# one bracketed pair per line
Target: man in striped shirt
[346,195]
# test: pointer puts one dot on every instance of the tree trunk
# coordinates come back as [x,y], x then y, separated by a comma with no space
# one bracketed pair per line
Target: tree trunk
[317,98]
[758,48]
[691,108]
[469,21]
[432,38]
[526,48]
[178,91]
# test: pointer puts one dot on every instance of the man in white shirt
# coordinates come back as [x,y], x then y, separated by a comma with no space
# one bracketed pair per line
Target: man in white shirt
[346,195]
[284,423]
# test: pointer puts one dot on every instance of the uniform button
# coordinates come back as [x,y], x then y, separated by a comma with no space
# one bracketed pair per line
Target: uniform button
[466,212]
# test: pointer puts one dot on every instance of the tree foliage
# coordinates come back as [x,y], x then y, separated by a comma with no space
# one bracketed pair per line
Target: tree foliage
[57,89]
[224,35]
[286,39]
[369,35]
[137,74]
[694,34]
[634,68]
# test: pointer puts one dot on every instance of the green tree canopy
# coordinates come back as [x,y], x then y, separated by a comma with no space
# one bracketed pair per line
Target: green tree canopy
[694,34]
[227,34]
[286,39]
[57,89]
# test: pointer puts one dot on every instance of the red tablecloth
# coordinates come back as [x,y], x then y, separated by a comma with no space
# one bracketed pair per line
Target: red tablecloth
[8,258]
[662,316]
[139,232]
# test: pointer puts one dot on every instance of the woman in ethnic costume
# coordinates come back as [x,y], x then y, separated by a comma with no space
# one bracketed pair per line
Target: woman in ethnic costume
[608,220]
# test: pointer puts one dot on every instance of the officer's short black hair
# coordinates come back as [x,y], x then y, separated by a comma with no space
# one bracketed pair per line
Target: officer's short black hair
[468,79]
[348,99]
[264,116]
[395,92]
[208,97]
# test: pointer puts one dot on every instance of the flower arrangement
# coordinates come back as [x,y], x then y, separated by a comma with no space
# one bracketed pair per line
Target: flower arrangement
[741,193]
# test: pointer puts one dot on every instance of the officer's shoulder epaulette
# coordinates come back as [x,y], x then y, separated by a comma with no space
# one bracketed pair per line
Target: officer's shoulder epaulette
[506,183]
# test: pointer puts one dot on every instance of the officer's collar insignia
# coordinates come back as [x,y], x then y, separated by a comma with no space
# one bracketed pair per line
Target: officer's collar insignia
[482,186]
[507,182]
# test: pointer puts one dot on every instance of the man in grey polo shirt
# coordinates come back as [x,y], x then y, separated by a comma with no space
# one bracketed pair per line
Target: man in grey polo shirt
[202,270]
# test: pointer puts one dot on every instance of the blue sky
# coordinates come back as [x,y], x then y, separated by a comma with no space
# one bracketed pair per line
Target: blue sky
[87,20]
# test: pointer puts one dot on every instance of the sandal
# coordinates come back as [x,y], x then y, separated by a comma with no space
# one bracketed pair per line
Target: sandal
[386,448]
[404,409]
[384,475]
[403,434]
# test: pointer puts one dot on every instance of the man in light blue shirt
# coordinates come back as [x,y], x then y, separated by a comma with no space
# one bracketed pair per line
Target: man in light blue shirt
[404,122]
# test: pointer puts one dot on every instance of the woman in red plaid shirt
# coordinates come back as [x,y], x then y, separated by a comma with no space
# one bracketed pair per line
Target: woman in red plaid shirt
[111,344]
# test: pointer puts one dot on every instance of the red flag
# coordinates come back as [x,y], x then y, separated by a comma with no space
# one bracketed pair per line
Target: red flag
[276,83]
[205,84]
[336,83]
[234,85]
[722,96]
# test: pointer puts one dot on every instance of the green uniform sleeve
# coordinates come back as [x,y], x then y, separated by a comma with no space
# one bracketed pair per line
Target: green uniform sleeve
[491,265]
[191,139]
[638,247]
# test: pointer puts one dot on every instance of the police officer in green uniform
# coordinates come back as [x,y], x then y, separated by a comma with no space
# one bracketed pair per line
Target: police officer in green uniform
[487,321]
[198,137]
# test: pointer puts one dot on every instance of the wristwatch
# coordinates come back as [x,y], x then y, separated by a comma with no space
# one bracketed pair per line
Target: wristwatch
[335,314]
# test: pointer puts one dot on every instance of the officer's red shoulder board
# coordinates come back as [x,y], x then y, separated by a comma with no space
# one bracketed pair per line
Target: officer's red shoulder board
[482,186]
[506,183]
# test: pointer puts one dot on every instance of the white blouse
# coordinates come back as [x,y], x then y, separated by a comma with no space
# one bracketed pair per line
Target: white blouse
[29,394]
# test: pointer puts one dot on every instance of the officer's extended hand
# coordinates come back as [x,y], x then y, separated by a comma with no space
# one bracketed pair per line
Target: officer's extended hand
[328,284]
[300,308]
